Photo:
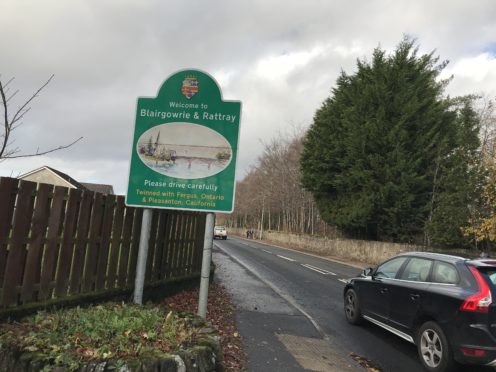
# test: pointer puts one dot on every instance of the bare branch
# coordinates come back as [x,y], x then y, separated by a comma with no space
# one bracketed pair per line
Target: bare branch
[37,153]
[6,121]
[8,82]
[11,122]
[14,119]
[20,116]
[9,153]
[8,99]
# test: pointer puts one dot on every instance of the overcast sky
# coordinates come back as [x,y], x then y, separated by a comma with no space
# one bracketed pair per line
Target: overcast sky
[279,58]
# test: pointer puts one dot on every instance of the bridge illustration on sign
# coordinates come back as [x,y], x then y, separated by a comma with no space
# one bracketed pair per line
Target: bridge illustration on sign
[184,150]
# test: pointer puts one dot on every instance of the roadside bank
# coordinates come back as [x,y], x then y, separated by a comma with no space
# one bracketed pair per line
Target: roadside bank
[360,253]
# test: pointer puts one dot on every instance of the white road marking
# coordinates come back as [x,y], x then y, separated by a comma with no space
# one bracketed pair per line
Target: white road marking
[283,295]
[286,258]
[266,251]
[317,269]
[343,280]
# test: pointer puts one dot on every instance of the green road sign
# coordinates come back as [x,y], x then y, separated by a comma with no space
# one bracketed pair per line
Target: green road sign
[185,147]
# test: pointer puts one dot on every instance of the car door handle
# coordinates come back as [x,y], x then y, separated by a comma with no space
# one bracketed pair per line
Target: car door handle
[414,296]
[383,290]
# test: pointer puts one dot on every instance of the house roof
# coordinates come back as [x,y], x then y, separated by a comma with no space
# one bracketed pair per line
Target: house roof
[67,178]
[100,188]
[58,173]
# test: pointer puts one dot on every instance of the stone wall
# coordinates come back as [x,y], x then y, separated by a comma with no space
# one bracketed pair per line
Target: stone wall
[363,251]
[206,356]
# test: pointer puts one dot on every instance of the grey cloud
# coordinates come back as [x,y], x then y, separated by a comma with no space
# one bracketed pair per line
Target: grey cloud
[107,54]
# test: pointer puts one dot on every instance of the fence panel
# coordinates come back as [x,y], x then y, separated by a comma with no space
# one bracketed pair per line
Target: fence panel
[167,246]
[115,243]
[199,241]
[52,243]
[103,252]
[182,259]
[8,192]
[191,245]
[152,241]
[32,272]
[176,234]
[67,247]
[82,231]
[57,243]
[126,247]
[93,245]
[20,230]
[133,254]
[158,269]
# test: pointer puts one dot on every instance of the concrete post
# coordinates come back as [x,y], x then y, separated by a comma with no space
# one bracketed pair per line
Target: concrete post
[207,258]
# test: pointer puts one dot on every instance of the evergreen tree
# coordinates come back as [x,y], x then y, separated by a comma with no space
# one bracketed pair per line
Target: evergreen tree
[378,145]
[457,189]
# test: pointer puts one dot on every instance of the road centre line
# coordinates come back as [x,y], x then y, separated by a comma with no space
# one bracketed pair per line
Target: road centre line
[286,258]
[308,266]
[319,270]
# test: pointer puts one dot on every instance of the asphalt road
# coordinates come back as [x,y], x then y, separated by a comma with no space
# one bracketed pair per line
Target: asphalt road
[288,299]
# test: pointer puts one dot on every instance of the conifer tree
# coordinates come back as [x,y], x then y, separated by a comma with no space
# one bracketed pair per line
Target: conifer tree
[379,145]
[458,185]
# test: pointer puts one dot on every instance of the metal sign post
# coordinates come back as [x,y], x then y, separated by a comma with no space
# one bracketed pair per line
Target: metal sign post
[207,259]
[142,255]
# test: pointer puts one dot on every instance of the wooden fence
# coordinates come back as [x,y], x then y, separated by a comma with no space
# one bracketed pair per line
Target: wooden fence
[58,243]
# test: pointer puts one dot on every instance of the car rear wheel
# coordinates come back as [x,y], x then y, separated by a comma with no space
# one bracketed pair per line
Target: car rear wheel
[434,351]
[352,307]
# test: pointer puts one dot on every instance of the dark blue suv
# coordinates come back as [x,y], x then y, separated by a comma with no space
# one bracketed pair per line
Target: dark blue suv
[443,304]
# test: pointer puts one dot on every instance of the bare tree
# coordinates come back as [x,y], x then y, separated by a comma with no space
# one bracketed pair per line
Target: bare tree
[13,119]
[270,196]
[487,112]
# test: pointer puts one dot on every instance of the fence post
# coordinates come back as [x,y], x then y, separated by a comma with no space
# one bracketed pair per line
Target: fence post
[207,258]
[142,255]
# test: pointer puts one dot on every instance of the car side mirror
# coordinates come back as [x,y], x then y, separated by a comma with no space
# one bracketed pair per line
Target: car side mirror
[367,272]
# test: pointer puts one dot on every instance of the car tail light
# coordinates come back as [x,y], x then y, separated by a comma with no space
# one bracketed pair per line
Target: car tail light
[481,300]
[468,351]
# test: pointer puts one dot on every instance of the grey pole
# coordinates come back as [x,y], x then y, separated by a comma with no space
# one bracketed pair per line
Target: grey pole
[142,254]
[207,258]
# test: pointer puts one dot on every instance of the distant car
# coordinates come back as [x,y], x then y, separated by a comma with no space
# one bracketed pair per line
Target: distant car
[443,304]
[220,232]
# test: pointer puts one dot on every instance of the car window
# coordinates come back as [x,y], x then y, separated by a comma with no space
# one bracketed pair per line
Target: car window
[390,268]
[445,273]
[417,270]
[492,276]
[490,272]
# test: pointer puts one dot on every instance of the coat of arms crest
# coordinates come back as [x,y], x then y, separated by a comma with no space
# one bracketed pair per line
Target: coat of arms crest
[189,87]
